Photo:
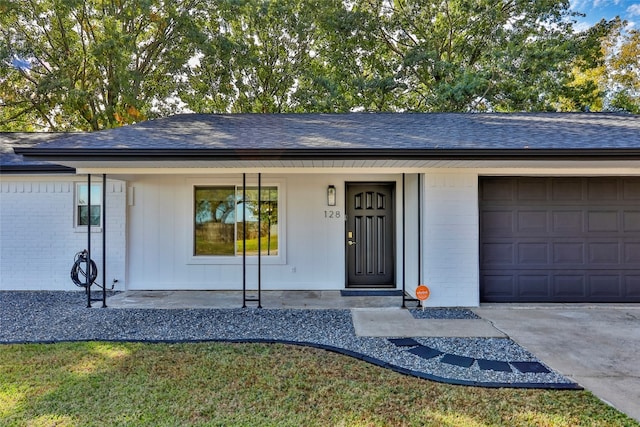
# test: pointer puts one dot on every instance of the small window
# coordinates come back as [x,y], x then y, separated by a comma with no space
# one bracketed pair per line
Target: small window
[86,215]
[219,215]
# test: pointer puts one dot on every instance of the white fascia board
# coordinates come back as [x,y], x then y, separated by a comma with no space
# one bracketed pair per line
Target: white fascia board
[229,171]
[561,168]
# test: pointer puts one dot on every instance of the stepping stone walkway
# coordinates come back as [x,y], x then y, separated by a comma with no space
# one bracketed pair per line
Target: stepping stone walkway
[426,352]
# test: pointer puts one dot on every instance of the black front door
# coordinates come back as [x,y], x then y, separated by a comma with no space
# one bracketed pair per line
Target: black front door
[370,235]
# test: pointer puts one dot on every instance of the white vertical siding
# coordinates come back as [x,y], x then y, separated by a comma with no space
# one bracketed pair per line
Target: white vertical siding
[312,246]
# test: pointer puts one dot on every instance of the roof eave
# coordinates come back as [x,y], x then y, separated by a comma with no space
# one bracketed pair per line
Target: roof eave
[327,154]
[35,169]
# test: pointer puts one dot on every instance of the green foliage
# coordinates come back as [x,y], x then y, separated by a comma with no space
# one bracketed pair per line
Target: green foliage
[625,101]
[457,55]
[88,64]
[625,73]
[253,53]
[71,64]
[606,73]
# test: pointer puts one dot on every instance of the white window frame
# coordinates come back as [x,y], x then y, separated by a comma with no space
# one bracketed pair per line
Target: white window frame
[76,205]
[279,183]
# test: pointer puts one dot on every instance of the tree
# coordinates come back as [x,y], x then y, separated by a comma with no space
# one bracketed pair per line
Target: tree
[624,64]
[607,70]
[454,55]
[252,54]
[350,69]
[89,64]
[587,87]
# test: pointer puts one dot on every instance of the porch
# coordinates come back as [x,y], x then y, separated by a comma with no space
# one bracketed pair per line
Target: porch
[269,299]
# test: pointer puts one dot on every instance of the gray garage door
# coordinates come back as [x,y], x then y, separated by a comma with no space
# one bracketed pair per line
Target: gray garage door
[560,239]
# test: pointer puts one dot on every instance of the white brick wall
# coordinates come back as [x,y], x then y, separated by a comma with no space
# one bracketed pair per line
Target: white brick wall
[38,239]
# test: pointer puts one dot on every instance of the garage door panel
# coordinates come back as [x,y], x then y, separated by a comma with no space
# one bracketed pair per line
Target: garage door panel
[498,190]
[531,190]
[496,254]
[602,189]
[499,287]
[498,222]
[560,239]
[569,286]
[532,222]
[604,285]
[566,189]
[631,221]
[604,253]
[568,253]
[567,222]
[536,253]
[533,285]
[632,286]
[631,253]
[630,189]
[602,221]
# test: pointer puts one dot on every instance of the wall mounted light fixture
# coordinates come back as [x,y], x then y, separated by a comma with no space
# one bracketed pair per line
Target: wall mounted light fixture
[331,195]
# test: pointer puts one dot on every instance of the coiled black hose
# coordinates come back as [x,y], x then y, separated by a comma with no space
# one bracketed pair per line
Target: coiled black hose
[78,274]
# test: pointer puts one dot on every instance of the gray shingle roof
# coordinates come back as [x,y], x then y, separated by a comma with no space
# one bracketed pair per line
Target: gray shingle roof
[11,162]
[349,133]
[363,130]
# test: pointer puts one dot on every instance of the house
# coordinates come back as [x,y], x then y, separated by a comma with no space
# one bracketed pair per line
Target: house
[539,207]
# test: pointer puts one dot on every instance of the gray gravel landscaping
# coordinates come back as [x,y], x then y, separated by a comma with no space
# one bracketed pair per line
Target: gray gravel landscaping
[27,317]
[442,313]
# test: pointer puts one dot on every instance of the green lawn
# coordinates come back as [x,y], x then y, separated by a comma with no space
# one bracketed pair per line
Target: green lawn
[256,384]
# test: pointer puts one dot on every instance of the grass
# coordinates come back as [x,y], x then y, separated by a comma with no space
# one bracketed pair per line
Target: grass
[96,383]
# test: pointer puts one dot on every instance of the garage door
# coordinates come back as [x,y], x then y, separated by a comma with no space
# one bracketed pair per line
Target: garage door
[560,239]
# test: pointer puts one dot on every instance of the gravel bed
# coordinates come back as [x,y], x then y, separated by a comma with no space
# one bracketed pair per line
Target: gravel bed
[63,316]
[443,313]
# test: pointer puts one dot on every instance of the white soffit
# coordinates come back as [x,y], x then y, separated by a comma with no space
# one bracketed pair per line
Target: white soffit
[631,167]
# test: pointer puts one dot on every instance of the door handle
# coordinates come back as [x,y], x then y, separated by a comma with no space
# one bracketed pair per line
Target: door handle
[351,243]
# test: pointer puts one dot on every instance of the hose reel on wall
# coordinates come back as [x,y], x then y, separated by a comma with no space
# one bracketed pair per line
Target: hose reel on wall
[79,275]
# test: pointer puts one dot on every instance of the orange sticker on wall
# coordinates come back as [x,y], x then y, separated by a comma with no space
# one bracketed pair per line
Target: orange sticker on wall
[422,292]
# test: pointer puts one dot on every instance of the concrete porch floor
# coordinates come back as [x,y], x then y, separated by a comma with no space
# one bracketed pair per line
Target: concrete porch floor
[233,299]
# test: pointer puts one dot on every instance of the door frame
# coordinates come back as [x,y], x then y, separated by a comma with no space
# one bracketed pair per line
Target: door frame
[392,230]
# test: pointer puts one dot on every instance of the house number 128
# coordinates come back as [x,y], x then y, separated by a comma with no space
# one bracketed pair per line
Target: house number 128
[332,214]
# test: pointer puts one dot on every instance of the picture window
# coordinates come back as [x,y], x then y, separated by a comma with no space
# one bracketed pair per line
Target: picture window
[220,213]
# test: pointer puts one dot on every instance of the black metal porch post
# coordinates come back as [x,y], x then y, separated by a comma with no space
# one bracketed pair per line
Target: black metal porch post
[420,232]
[104,240]
[87,267]
[244,240]
[404,244]
[259,240]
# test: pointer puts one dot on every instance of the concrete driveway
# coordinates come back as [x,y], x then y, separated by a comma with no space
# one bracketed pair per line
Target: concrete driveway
[598,346]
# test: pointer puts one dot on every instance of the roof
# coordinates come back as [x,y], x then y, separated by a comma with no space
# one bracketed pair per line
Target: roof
[16,163]
[354,135]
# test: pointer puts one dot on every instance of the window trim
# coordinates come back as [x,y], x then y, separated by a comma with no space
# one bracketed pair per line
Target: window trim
[279,183]
[76,205]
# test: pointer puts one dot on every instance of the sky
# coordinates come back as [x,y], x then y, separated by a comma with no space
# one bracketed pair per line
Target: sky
[596,10]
